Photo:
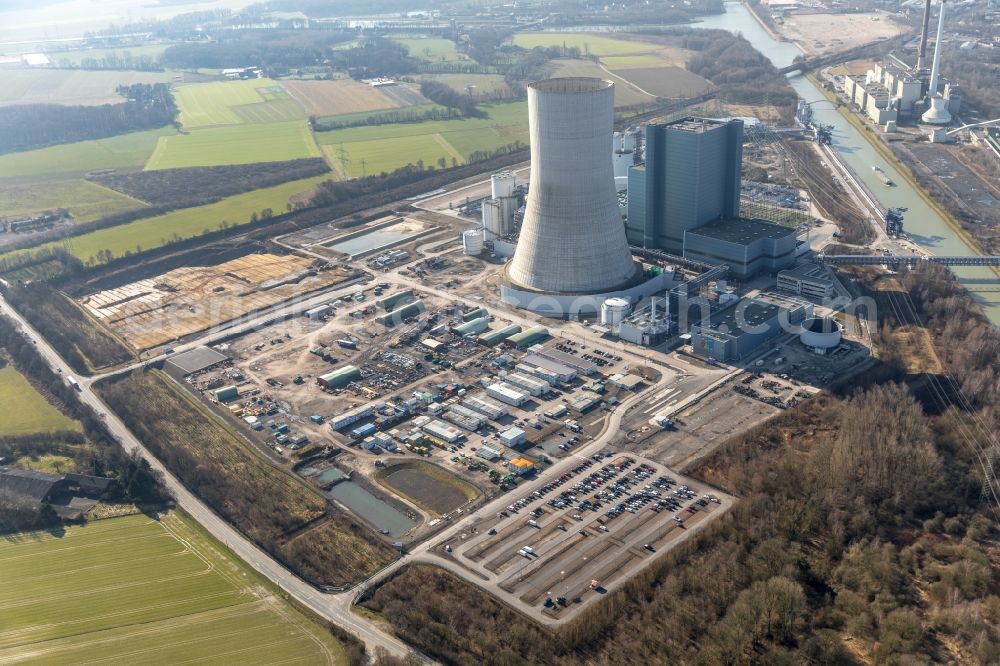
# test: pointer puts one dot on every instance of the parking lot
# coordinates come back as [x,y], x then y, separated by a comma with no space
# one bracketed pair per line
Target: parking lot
[554,550]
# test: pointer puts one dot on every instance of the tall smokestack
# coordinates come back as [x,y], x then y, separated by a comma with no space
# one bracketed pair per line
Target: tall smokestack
[937,113]
[922,52]
[572,238]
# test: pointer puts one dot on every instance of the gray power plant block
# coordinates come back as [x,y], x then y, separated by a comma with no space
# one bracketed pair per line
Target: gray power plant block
[572,238]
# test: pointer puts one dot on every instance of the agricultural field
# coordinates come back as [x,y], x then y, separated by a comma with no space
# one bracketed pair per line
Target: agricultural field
[26,411]
[348,117]
[126,151]
[153,232]
[86,201]
[431,49]
[332,98]
[387,147]
[626,94]
[483,85]
[76,56]
[139,589]
[234,103]
[588,43]
[66,86]
[237,144]
[666,81]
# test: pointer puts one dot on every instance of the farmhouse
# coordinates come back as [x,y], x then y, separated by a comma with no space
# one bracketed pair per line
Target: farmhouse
[70,495]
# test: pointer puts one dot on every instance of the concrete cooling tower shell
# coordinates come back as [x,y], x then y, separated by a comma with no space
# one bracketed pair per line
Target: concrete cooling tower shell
[572,239]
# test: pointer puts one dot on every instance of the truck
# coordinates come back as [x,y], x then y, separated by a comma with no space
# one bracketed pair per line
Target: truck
[73,383]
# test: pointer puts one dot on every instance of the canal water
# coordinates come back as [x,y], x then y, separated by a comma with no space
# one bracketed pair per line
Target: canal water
[923,225]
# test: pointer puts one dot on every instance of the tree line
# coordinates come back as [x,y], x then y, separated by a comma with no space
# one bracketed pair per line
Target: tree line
[26,127]
[405,115]
[274,51]
[94,451]
[445,95]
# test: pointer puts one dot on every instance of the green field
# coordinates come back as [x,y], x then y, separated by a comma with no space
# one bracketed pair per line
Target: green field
[134,590]
[239,144]
[626,94]
[26,412]
[588,43]
[640,60]
[483,84]
[118,152]
[69,86]
[387,147]
[76,56]
[347,117]
[86,201]
[234,103]
[153,232]
[432,49]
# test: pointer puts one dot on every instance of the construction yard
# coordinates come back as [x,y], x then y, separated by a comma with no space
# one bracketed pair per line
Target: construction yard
[158,310]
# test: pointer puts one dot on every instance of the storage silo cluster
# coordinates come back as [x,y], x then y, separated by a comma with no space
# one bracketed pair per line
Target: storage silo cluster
[499,209]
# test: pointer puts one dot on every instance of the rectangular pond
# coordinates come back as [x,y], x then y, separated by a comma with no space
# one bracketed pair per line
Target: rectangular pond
[375,511]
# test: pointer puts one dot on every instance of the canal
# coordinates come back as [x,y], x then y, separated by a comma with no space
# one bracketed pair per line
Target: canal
[922,224]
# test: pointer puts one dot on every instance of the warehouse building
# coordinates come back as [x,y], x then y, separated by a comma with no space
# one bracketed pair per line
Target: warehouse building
[195,360]
[564,372]
[339,377]
[227,393]
[736,332]
[397,316]
[582,366]
[532,385]
[475,314]
[353,416]
[465,417]
[442,431]
[531,336]
[507,394]
[512,437]
[748,247]
[472,327]
[392,300]
[541,373]
[492,338]
[486,406]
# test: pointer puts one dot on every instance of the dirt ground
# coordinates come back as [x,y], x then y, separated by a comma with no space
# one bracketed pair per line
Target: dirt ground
[186,300]
[331,98]
[819,34]
[429,487]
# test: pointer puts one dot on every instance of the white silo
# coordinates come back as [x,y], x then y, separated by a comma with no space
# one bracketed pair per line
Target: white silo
[493,221]
[821,333]
[622,161]
[572,240]
[472,242]
[502,184]
[614,311]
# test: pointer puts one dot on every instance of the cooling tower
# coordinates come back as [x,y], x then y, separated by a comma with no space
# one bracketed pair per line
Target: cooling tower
[572,239]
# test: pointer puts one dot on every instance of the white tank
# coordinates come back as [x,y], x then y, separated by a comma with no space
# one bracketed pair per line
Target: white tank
[493,219]
[472,241]
[614,311]
[821,333]
[502,184]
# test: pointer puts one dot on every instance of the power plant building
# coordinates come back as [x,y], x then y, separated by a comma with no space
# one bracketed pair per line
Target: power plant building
[691,177]
[748,247]
[735,332]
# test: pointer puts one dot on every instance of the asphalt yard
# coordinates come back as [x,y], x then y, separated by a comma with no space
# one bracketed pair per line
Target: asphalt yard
[559,549]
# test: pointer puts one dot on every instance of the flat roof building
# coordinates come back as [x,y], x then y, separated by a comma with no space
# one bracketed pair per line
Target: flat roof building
[691,176]
[737,331]
[486,406]
[512,437]
[809,280]
[507,394]
[195,360]
[747,246]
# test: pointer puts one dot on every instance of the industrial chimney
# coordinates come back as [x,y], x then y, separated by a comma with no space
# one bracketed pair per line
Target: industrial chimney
[922,52]
[937,113]
[572,239]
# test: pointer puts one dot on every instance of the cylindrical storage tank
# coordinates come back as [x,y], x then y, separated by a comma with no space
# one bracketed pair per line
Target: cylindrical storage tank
[614,311]
[821,333]
[493,218]
[502,184]
[472,241]
[572,239]
[621,162]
